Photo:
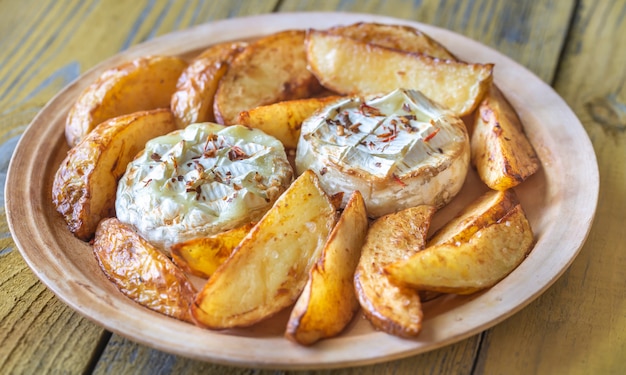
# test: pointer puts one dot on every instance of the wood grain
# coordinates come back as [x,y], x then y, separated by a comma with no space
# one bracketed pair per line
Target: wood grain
[579,325]
[35,325]
[125,357]
[48,44]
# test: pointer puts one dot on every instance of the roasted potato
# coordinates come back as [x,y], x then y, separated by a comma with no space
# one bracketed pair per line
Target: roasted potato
[141,271]
[269,269]
[400,37]
[501,152]
[192,101]
[269,70]
[494,108]
[142,84]
[350,67]
[85,184]
[328,302]
[485,210]
[283,120]
[467,267]
[202,256]
[392,308]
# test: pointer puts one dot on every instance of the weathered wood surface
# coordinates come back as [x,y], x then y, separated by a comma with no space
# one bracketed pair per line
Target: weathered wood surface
[577,326]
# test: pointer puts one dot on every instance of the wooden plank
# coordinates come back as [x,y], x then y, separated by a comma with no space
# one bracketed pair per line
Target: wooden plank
[39,333]
[53,47]
[457,358]
[530,32]
[579,325]
[123,357]
[49,44]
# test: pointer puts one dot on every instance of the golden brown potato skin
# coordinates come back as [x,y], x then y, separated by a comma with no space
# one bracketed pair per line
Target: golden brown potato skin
[389,307]
[485,210]
[501,152]
[400,37]
[269,70]
[351,67]
[328,302]
[269,269]
[141,271]
[85,184]
[192,102]
[142,84]
[485,258]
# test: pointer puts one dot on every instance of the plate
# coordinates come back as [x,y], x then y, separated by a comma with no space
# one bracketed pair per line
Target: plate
[560,202]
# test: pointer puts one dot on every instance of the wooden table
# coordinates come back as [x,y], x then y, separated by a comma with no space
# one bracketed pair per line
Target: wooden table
[577,327]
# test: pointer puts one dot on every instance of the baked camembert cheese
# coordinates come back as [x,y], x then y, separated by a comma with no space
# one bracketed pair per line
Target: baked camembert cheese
[399,150]
[201,180]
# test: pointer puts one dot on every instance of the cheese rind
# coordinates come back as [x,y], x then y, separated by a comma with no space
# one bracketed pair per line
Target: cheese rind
[399,150]
[201,180]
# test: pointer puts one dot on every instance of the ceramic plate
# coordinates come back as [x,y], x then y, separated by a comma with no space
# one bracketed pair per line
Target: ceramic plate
[560,202]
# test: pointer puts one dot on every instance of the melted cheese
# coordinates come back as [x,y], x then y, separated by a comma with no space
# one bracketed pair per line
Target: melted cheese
[400,150]
[201,180]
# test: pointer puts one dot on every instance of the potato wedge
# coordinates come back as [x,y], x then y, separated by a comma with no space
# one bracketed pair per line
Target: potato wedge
[202,256]
[328,303]
[269,70]
[141,271]
[464,268]
[283,120]
[85,184]
[142,84]
[351,67]
[501,152]
[400,37]
[192,101]
[485,210]
[392,308]
[268,270]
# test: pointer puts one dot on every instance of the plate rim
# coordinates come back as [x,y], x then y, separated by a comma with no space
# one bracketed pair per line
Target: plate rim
[402,348]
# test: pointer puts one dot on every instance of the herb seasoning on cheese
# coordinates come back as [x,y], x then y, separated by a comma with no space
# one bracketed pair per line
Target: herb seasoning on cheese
[201,180]
[400,150]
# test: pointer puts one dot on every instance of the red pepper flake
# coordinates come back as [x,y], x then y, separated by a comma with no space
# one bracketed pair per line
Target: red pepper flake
[218,176]
[406,121]
[367,110]
[387,137]
[354,127]
[431,135]
[323,171]
[236,153]
[398,180]
[155,156]
[197,190]
[147,183]
[345,116]
[209,153]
